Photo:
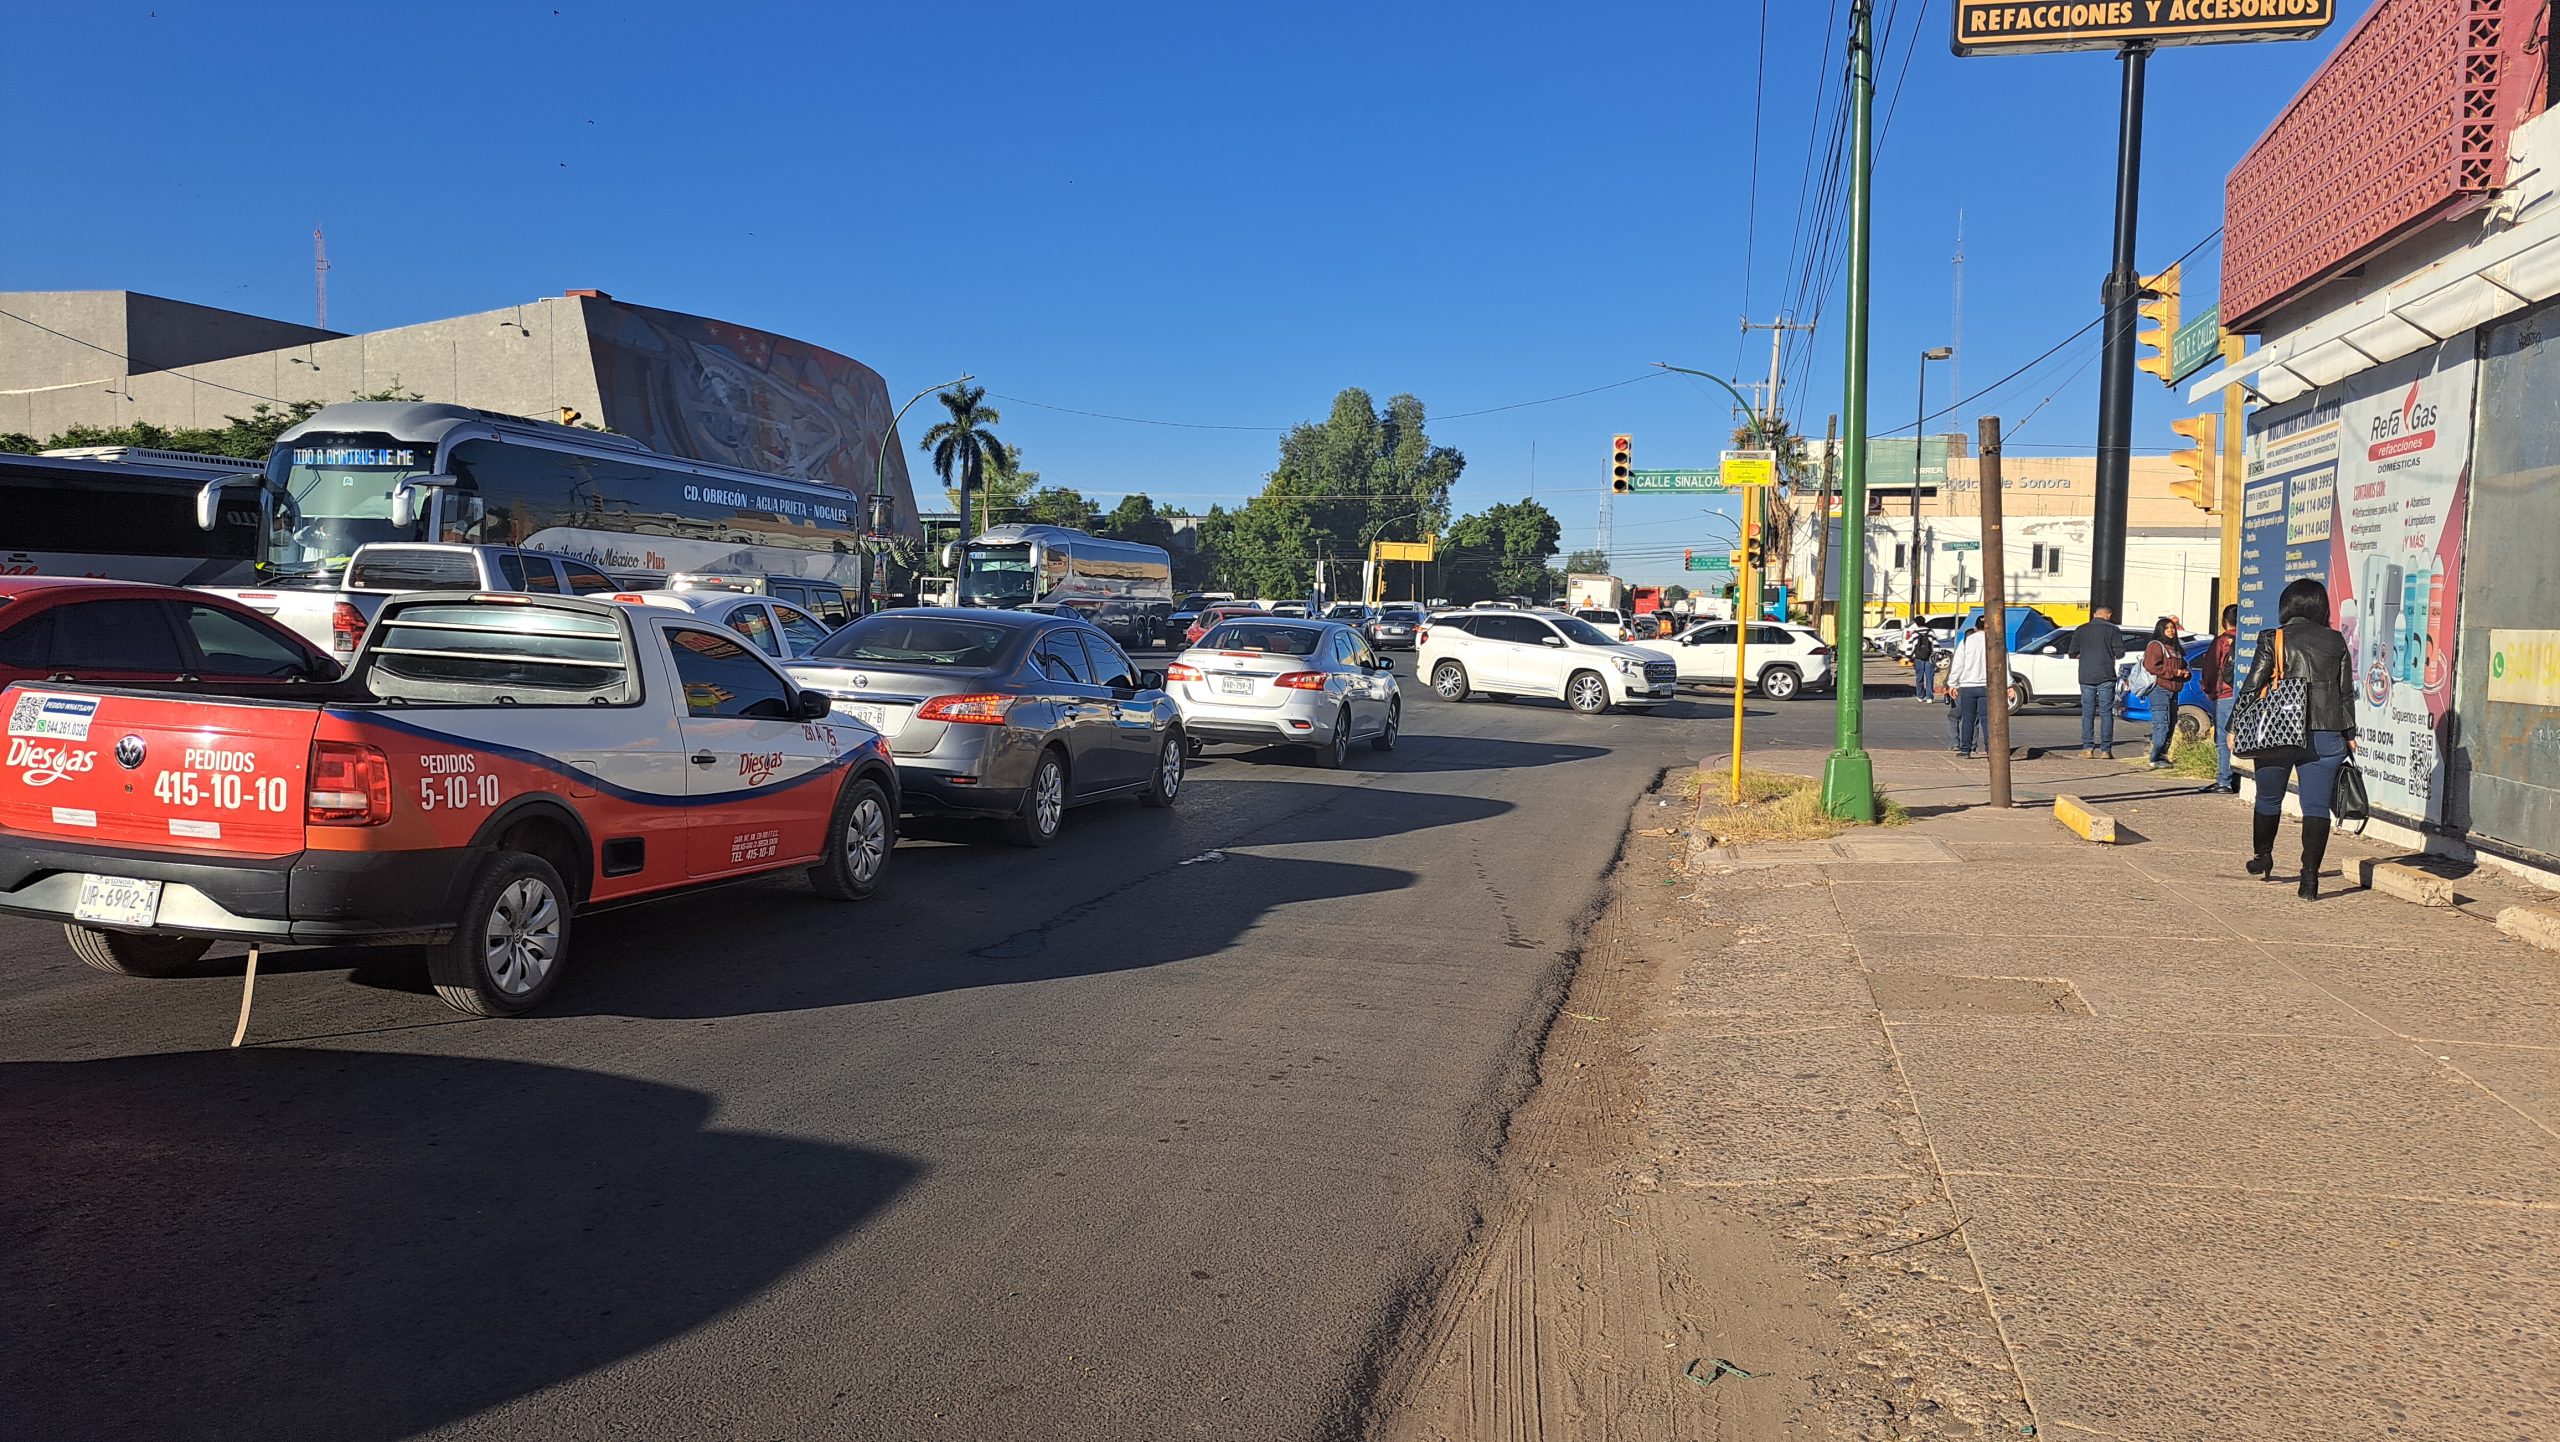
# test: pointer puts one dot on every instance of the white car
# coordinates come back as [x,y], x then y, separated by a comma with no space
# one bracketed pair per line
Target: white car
[782,631]
[1784,660]
[1286,682]
[1540,653]
[1603,618]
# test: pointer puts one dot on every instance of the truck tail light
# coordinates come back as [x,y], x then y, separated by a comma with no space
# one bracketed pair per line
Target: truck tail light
[350,785]
[977,709]
[1300,681]
[346,627]
[1178,671]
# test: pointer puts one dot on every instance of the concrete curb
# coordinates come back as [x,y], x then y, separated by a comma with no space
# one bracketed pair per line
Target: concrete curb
[2084,823]
[2400,879]
[2537,925]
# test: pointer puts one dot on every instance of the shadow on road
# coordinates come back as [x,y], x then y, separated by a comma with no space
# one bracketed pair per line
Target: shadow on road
[1419,754]
[347,1245]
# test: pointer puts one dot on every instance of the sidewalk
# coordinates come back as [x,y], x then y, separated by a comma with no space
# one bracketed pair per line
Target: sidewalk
[2119,1141]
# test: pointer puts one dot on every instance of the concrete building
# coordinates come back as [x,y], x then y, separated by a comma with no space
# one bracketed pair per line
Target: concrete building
[682,384]
[2172,549]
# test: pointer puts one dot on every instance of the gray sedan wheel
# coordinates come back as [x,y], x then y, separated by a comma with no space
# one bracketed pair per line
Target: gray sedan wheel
[1335,753]
[1386,740]
[1044,804]
[1166,784]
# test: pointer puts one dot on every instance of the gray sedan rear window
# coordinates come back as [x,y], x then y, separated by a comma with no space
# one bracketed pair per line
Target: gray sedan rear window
[1252,636]
[913,640]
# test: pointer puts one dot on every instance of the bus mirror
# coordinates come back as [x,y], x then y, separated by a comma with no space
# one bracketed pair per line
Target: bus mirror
[209,502]
[404,498]
[949,550]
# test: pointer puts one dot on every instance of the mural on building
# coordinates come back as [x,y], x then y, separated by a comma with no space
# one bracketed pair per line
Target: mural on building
[2363,486]
[703,388]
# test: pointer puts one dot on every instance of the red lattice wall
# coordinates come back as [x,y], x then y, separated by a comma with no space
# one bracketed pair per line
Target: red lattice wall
[2407,122]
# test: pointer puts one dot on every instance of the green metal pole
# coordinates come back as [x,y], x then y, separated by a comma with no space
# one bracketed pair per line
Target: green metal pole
[1849,776]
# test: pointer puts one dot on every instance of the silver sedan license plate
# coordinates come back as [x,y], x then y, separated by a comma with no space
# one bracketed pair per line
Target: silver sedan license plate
[117,901]
[1235,685]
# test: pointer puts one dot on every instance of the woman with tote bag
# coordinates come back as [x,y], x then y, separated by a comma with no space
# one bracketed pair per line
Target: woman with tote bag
[2300,725]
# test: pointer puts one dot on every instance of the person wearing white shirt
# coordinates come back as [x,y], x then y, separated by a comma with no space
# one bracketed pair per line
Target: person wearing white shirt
[1968,680]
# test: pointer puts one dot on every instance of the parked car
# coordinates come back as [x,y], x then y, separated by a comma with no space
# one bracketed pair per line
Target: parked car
[1311,684]
[1395,627]
[1224,610]
[1605,619]
[1013,715]
[1785,660]
[331,610]
[1358,615]
[1541,653]
[129,633]
[782,631]
[489,767]
[824,599]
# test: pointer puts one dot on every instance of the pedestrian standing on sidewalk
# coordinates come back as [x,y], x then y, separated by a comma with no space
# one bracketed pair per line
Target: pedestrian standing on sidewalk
[1924,665]
[1969,677]
[2219,693]
[2165,661]
[2098,644]
[2313,650]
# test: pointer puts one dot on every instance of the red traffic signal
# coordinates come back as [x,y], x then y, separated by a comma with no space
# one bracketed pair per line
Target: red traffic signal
[1621,463]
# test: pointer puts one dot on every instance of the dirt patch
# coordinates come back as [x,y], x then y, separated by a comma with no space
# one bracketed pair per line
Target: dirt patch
[1979,995]
[1596,1303]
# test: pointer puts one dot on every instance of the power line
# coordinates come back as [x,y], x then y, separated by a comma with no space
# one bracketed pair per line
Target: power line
[1208,426]
[1751,210]
[128,360]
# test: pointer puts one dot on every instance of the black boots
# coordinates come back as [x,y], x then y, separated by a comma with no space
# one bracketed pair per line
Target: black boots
[2315,845]
[2262,844]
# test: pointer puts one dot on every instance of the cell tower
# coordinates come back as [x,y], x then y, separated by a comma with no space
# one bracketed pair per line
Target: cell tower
[1955,342]
[320,277]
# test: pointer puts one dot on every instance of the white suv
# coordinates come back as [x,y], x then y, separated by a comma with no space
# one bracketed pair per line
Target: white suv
[1540,653]
[1784,659]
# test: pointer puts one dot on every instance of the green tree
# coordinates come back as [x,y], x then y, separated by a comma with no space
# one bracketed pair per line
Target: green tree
[1058,506]
[1365,473]
[1586,563]
[965,444]
[1135,519]
[1002,489]
[1674,592]
[1500,551]
[248,437]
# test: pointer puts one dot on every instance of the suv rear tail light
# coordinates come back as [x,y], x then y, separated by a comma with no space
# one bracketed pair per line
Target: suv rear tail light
[1823,651]
[984,708]
[1421,636]
[350,785]
[1300,681]
[1181,672]
[346,627]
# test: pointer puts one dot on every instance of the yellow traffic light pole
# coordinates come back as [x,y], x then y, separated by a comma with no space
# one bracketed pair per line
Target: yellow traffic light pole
[1747,591]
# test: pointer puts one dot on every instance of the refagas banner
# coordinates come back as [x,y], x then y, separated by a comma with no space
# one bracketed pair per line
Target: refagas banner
[2007,27]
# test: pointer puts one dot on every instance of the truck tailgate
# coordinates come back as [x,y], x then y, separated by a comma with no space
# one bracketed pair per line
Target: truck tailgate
[215,775]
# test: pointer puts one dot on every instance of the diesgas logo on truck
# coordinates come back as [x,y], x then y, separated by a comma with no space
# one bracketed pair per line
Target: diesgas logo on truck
[46,765]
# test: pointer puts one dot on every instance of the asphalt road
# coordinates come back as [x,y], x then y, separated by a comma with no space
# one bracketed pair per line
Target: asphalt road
[1156,1133]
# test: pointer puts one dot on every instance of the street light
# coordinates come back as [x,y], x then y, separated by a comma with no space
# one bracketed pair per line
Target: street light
[880,504]
[1920,418]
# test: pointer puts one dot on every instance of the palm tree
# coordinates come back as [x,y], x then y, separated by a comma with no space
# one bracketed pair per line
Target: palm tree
[965,443]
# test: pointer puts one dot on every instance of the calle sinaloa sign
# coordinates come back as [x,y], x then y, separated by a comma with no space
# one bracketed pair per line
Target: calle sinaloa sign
[2009,27]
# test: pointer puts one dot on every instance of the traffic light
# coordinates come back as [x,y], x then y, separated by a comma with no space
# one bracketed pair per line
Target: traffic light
[1622,465]
[1687,554]
[2203,461]
[1734,558]
[2160,307]
[1752,554]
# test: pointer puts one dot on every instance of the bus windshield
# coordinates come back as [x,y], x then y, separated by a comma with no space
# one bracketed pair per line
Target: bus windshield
[996,576]
[331,494]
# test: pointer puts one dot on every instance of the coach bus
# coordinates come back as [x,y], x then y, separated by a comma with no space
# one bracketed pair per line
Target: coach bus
[367,471]
[1122,586]
[130,515]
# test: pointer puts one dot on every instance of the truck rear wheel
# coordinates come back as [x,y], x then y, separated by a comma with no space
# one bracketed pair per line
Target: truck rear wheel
[506,957]
[121,953]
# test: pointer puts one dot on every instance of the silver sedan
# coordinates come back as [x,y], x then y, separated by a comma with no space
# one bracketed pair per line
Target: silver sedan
[1287,682]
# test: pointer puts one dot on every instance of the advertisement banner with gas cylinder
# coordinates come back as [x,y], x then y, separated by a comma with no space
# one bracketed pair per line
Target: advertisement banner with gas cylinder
[2362,486]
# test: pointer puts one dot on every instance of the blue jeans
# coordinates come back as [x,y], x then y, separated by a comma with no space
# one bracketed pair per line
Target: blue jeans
[2223,776]
[2098,716]
[1923,671]
[2316,780]
[1969,719]
[2164,721]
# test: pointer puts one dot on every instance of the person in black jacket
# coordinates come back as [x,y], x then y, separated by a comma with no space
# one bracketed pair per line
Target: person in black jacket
[2099,645]
[2314,651]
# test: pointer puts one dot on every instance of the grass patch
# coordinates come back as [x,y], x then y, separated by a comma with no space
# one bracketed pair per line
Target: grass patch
[1775,807]
[2194,756]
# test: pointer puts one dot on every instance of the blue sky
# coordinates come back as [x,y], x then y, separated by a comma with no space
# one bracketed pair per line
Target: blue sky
[1215,213]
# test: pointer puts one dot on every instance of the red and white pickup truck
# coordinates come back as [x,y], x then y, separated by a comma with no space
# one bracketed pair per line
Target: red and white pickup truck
[490,766]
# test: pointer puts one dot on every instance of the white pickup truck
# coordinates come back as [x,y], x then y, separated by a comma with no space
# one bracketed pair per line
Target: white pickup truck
[330,609]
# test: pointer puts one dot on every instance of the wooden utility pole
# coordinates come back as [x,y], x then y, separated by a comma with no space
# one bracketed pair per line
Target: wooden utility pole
[1995,614]
[1822,518]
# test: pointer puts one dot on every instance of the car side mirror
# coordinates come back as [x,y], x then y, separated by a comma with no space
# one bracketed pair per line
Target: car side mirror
[815,706]
[1555,641]
[1151,680]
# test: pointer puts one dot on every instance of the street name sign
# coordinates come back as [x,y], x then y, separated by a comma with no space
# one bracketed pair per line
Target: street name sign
[2007,27]
[1959,545]
[1674,481]
[2197,342]
[1710,563]
[1750,468]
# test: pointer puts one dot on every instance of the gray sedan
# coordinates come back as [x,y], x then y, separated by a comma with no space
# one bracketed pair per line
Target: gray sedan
[1006,714]
[1314,684]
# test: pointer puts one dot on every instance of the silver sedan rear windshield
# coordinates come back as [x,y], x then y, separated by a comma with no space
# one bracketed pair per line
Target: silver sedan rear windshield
[905,640]
[1263,637]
